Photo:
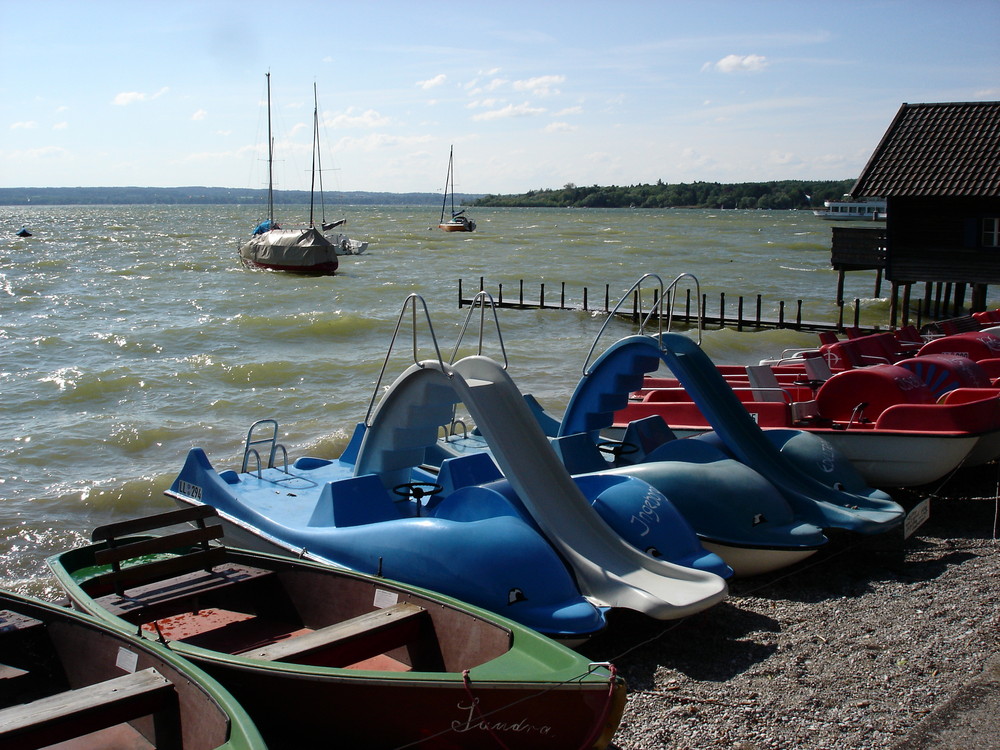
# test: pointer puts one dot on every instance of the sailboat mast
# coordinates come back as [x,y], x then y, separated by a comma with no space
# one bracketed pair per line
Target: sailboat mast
[319,162]
[312,184]
[447,182]
[270,156]
[451,174]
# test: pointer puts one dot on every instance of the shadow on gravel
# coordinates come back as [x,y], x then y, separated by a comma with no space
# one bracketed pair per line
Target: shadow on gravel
[710,646]
[716,645]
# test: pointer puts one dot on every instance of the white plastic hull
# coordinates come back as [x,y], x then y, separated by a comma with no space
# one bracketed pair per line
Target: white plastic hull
[753,561]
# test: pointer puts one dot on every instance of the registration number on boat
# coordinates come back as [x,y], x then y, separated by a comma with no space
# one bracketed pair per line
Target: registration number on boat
[188,489]
[916,518]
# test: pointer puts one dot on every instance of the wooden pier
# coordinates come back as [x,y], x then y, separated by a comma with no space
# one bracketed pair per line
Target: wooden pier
[743,313]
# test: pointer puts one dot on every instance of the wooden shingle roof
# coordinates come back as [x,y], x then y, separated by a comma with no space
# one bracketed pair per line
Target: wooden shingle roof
[950,149]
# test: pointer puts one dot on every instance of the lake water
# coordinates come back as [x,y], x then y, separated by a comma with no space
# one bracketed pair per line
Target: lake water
[130,334]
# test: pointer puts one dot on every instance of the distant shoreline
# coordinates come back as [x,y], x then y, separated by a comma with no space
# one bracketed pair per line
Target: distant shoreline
[200,196]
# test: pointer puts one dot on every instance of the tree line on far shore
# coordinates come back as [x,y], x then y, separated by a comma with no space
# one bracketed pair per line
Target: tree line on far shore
[187,196]
[783,194]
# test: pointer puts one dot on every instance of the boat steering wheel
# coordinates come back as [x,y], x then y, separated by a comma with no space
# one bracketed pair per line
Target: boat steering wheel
[616,448]
[416,491]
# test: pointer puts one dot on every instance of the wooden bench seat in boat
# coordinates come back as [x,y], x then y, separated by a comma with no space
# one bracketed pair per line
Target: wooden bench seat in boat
[351,641]
[78,712]
[162,598]
[184,567]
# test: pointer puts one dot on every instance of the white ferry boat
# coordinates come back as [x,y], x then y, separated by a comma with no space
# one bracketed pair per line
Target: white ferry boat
[870,209]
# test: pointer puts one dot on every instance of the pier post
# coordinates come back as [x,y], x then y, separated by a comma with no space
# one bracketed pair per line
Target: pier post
[585,299]
[687,307]
[857,313]
[459,294]
[701,323]
[758,311]
[607,298]
[481,287]
[541,297]
[500,294]
[722,309]
[521,296]
[562,296]
[739,314]
[781,314]
[798,316]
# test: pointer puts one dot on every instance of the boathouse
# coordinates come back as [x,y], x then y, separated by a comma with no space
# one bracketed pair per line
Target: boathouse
[938,167]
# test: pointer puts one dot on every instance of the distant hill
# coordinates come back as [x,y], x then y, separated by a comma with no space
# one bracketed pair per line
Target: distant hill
[119,196]
[776,194]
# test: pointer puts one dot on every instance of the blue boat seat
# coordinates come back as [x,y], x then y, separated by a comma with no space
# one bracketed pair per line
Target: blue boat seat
[353,502]
[642,437]
[579,454]
[466,471]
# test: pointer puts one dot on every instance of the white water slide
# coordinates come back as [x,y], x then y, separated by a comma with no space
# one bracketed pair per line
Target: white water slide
[606,567]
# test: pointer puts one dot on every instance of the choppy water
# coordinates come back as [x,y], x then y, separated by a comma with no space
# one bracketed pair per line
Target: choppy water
[130,334]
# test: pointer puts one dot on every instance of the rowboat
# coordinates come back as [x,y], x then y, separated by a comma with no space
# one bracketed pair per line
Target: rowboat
[315,652]
[68,678]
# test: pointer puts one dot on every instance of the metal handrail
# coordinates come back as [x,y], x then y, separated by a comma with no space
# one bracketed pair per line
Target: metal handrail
[656,309]
[480,301]
[411,300]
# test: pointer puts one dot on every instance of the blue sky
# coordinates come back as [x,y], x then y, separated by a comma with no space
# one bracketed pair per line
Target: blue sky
[531,94]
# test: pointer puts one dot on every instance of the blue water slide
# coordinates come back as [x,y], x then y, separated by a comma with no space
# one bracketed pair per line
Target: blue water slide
[620,370]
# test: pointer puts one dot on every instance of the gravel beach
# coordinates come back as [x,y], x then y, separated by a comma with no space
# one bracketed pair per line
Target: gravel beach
[850,649]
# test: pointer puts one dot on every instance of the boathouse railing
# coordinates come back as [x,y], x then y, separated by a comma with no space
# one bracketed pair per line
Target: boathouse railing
[747,313]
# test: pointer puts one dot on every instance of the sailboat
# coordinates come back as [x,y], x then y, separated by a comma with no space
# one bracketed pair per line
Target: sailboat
[457,222]
[302,250]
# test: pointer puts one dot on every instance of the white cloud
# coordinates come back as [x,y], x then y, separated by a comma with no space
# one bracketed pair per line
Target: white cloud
[24,125]
[353,118]
[493,85]
[540,85]
[201,114]
[569,111]
[476,103]
[511,110]
[129,97]
[738,64]
[431,83]
[376,141]
[60,125]
[560,127]
[45,152]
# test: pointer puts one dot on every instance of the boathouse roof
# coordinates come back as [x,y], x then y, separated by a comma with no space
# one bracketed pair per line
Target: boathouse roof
[935,150]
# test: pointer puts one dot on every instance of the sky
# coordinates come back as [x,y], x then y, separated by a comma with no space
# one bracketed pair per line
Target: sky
[531,95]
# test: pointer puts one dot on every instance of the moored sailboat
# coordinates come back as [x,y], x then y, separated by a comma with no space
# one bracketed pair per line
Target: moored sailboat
[304,250]
[458,222]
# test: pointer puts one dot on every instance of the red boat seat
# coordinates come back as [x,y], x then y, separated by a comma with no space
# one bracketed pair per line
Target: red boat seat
[987,317]
[946,372]
[876,388]
[976,345]
[975,416]
[965,395]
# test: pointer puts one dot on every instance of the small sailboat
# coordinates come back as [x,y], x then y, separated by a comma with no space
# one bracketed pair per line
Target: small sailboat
[23,232]
[304,250]
[458,222]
